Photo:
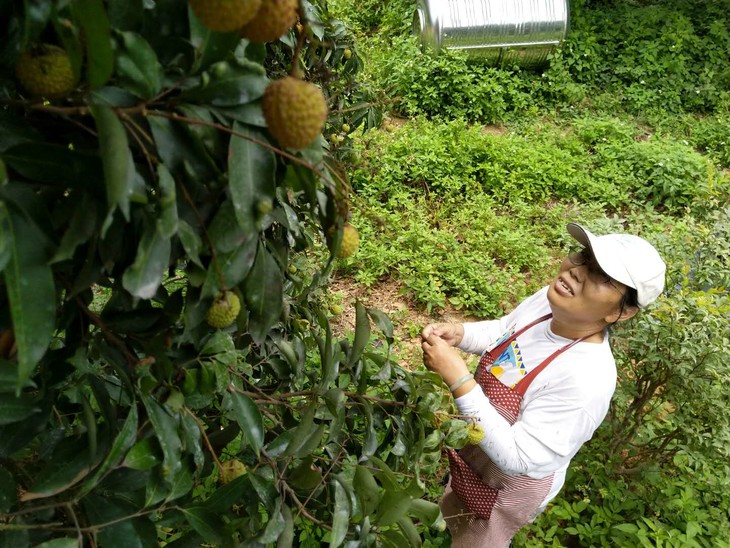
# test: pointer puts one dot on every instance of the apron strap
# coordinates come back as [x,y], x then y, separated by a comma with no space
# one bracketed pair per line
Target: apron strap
[524,383]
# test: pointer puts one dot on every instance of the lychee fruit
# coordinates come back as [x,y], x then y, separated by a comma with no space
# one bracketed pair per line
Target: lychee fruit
[224,15]
[230,470]
[224,310]
[295,111]
[475,434]
[45,71]
[350,242]
[347,53]
[273,19]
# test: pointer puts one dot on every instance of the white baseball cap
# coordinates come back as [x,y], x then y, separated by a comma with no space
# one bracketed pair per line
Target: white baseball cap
[627,259]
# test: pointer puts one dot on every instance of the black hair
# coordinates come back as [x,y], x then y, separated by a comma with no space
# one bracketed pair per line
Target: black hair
[630,299]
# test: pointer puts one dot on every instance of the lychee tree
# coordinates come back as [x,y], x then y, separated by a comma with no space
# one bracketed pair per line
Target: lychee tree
[167,375]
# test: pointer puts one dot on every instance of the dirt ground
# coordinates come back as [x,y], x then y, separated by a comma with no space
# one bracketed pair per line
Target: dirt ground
[407,317]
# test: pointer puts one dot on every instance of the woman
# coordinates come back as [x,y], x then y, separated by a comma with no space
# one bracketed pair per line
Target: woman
[543,384]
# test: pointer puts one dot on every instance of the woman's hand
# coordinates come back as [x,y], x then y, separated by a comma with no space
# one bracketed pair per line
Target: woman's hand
[439,357]
[451,333]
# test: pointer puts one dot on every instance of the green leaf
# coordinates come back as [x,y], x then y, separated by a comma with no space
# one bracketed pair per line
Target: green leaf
[180,484]
[229,494]
[61,473]
[142,456]
[166,427]
[224,231]
[65,542]
[30,288]
[251,170]
[286,538]
[124,531]
[274,527]
[425,511]
[305,476]
[144,276]
[116,157]
[15,409]
[122,443]
[630,528]
[137,66]
[54,164]
[234,266]
[191,242]
[340,515]
[371,435]
[238,86]
[94,22]
[18,435]
[248,417]
[8,490]
[410,532]
[14,130]
[181,150]
[362,333]
[383,322]
[302,432]
[210,46]
[206,524]
[264,294]
[392,507]
[167,223]
[80,229]
[125,14]
[367,490]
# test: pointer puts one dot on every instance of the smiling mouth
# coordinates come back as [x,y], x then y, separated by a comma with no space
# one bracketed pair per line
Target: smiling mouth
[565,286]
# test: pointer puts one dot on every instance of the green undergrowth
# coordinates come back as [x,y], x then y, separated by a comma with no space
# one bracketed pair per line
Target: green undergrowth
[457,213]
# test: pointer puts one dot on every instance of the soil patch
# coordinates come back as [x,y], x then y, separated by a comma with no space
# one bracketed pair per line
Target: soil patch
[407,316]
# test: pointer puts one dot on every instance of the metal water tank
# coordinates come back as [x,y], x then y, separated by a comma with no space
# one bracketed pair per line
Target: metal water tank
[500,32]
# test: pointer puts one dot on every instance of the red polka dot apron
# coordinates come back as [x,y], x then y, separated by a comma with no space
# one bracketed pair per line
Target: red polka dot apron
[482,505]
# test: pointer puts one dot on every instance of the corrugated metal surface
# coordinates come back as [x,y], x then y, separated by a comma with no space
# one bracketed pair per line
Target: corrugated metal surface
[501,32]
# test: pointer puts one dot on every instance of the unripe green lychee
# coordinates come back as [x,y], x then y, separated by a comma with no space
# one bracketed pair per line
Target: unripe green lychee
[230,470]
[346,128]
[45,71]
[224,15]
[273,19]
[295,112]
[264,206]
[347,53]
[475,434]
[350,242]
[224,310]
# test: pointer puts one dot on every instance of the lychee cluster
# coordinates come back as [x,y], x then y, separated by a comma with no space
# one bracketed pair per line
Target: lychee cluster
[258,20]
[224,310]
[350,242]
[45,71]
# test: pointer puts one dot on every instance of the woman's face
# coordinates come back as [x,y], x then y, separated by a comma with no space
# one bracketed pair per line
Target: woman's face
[584,296]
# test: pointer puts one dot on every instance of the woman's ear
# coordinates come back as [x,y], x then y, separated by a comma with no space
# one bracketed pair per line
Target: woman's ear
[623,314]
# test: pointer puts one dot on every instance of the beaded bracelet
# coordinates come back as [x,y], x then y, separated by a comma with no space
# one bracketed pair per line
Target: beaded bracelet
[461,381]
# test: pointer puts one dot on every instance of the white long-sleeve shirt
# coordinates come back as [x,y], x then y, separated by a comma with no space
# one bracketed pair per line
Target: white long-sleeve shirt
[562,407]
